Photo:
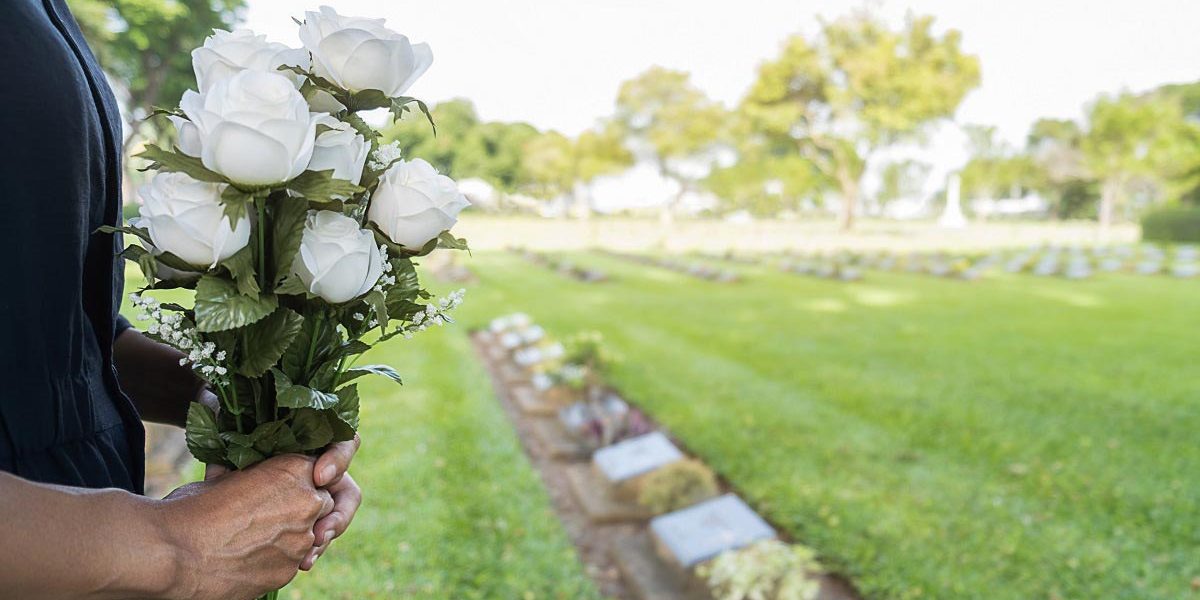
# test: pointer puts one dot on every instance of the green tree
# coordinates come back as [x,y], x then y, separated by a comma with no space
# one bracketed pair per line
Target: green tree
[145,46]
[465,146]
[902,179]
[1131,141]
[673,121]
[1054,146]
[857,87]
[548,167]
[557,166]
[995,169]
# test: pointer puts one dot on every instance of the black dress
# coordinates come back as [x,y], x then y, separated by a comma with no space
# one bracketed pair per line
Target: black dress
[63,417]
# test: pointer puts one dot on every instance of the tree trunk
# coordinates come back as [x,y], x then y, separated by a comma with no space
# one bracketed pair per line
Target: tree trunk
[849,190]
[1108,201]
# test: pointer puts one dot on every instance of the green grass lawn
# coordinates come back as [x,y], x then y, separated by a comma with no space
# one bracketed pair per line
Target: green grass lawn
[1010,438]
[452,508]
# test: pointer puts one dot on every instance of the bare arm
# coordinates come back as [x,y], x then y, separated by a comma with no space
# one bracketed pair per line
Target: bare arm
[150,373]
[237,536]
[61,542]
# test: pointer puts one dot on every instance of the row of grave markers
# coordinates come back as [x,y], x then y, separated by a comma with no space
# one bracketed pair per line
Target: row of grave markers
[603,473]
[1074,262]
[695,269]
[561,266]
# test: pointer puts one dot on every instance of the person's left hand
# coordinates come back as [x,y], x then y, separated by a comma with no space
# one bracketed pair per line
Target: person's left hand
[329,473]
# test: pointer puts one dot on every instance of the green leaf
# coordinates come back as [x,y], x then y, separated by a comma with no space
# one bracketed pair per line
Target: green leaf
[203,437]
[267,340]
[347,407]
[176,161]
[448,241]
[144,260]
[166,112]
[383,370]
[236,204]
[244,457]
[350,348]
[272,439]
[322,186]
[290,395]
[399,106]
[288,216]
[292,286]
[378,302]
[220,307]
[141,233]
[311,429]
[313,335]
[241,267]
[368,100]
[177,263]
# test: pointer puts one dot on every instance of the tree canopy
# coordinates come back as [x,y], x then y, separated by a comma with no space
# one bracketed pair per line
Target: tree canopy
[857,87]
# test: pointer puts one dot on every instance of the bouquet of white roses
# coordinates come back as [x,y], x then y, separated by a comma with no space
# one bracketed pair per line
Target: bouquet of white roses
[295,227]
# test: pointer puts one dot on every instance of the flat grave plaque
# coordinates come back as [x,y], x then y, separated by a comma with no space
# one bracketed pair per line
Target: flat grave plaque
[698,533]
[636,456]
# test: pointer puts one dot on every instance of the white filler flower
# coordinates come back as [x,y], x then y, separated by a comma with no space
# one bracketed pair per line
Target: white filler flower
[185,217]
[358,54]
[337,260]
[225,54]
[341,149]
[414,203]
[254,127]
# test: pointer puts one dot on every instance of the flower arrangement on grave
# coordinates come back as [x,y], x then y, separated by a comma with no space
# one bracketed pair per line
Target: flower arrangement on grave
[766,569]
[677,485]
[295,228]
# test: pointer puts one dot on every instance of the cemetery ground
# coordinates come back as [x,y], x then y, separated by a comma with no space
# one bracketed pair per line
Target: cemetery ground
[1012,437]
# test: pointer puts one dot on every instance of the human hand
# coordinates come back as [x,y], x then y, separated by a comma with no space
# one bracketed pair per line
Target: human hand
[330,473]
[245,533]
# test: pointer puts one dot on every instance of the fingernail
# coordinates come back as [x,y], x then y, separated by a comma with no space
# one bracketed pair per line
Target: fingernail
[326,538]
[327,474]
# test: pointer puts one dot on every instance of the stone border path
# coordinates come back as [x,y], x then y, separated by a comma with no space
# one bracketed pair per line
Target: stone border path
[611,536]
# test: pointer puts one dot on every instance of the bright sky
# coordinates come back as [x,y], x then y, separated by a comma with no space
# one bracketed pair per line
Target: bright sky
[558,63]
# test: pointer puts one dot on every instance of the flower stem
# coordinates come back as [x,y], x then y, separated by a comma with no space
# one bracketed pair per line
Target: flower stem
[262,241]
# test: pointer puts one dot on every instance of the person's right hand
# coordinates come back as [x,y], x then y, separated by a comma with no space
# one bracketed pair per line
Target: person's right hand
[244,533]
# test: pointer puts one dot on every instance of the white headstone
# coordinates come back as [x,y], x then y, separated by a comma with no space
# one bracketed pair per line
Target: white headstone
[952,217]
[698,533]
[1185,270]
[636,456]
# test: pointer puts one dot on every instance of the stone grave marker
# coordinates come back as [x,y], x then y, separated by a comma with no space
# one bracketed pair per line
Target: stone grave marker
[1185,270]
[621,464]
[1149,267]
[688,537]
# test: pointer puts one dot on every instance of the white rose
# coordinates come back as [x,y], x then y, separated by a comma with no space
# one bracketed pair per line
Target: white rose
[341,149]
[361,54]
[413,203]
[225,54]
[162,271]
[337,260]
[185,217]
[254,127]
[188,136]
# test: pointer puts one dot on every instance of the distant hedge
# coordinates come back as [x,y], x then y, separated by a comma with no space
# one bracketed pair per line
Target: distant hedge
[1172,224]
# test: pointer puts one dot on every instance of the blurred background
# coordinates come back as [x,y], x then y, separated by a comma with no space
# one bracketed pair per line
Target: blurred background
[918,278]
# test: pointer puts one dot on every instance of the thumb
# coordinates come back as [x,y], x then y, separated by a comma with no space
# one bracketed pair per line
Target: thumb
[213,471]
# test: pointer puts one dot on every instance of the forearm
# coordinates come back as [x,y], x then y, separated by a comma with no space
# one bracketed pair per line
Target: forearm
[151,374]
[59,542]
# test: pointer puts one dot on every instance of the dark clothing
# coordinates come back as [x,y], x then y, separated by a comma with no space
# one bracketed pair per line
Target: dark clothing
[63,417]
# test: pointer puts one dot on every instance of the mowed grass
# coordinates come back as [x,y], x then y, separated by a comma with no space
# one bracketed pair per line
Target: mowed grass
[1011,438]
[452,508]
